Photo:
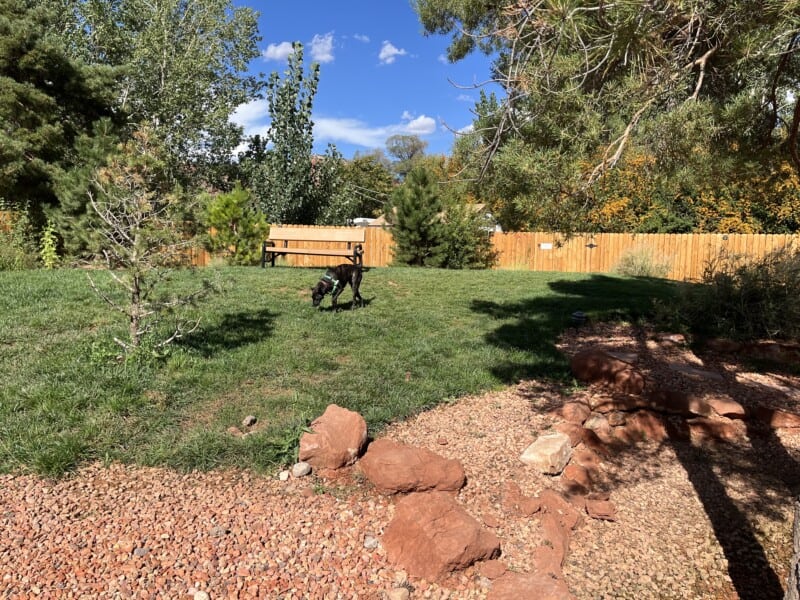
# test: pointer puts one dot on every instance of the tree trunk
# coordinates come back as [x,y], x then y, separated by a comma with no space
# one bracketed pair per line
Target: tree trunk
[793,588]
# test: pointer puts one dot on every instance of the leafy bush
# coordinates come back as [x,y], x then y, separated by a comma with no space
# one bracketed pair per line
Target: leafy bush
[17,243]
[467,239]
[745,299]
[238,230]
[48,247]
[642,262]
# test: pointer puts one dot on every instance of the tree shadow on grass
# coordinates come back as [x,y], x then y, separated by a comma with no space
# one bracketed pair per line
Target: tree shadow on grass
[534,324]
[232,330]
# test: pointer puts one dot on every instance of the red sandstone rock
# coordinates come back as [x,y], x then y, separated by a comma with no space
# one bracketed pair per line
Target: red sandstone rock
[597,366]
[601,509]
[574,412]
[556,536]
[527,586]
[678,403]
[393,467]
[576,479]
[726,407]
[709,429]
[776,418]
[432,535]
[642,426]
[492,569]
[593,442]
[572,431]
[338,437]
[516,503]
[555,504]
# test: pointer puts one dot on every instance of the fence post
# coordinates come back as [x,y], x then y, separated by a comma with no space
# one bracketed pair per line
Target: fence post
[793,587]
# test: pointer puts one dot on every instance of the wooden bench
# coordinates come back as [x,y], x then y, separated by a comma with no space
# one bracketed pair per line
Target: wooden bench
[340,242]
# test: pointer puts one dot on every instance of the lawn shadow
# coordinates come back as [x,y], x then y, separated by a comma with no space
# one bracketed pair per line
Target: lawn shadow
[232,330]
[347,305]
[534,324]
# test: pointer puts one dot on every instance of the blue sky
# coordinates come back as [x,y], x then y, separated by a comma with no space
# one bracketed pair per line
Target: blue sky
[379,75]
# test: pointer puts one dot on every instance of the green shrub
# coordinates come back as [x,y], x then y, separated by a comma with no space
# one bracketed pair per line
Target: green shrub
[642,262]
[17,244]
[467,239]
[48,246]
[745,299]
[238,230]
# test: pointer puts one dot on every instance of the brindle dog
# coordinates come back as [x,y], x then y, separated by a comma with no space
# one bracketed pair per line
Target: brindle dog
[334,281]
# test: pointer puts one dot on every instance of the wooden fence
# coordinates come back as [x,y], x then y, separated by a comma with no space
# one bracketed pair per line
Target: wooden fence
[684,254]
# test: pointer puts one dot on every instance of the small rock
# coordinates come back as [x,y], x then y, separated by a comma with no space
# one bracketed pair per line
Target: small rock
[234,431]
[370,543]
[491,521]
[249,421]
[201,596]
[550,453]
[301,469]
[399,593]
[140,552]
[284,475]
[492,569]
[616,419]
[218,531]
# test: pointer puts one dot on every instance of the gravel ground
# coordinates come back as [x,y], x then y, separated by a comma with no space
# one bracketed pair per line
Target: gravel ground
[693,521]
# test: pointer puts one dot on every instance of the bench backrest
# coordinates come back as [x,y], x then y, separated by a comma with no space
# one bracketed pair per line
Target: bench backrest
[317,234]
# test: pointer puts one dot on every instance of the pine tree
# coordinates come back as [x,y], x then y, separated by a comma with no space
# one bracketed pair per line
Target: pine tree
[418,232]
[47,101]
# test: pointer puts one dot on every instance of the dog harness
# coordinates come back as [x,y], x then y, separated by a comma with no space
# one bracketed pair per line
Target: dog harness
[331,281]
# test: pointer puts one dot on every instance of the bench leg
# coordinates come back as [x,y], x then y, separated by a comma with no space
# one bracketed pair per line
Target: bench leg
[358,256]
[264,253]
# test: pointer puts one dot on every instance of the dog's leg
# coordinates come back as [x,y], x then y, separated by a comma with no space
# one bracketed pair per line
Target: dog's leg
[335,297]
[356,285]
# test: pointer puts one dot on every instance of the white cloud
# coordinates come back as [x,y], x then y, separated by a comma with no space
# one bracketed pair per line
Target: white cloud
[389,53]
[277,51]
[251,114]
[465,98]
[353,131]
[422,125]
[254,118]
[442,58]
[361,38]
[322,48]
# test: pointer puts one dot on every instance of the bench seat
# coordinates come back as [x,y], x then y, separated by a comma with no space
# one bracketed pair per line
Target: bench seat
[339,242]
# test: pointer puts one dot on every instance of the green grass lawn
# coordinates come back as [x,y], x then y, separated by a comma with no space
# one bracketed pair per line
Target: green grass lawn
[425,336]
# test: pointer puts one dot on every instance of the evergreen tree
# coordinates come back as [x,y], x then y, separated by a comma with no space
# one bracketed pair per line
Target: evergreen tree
[47,101]
[418,232]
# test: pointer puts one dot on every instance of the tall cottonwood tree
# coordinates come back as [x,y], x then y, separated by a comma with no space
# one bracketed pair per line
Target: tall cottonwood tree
[183,70]
[289,183]
[584,81]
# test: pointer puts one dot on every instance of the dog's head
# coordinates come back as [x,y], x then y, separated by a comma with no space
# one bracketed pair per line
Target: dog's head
[318,291]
